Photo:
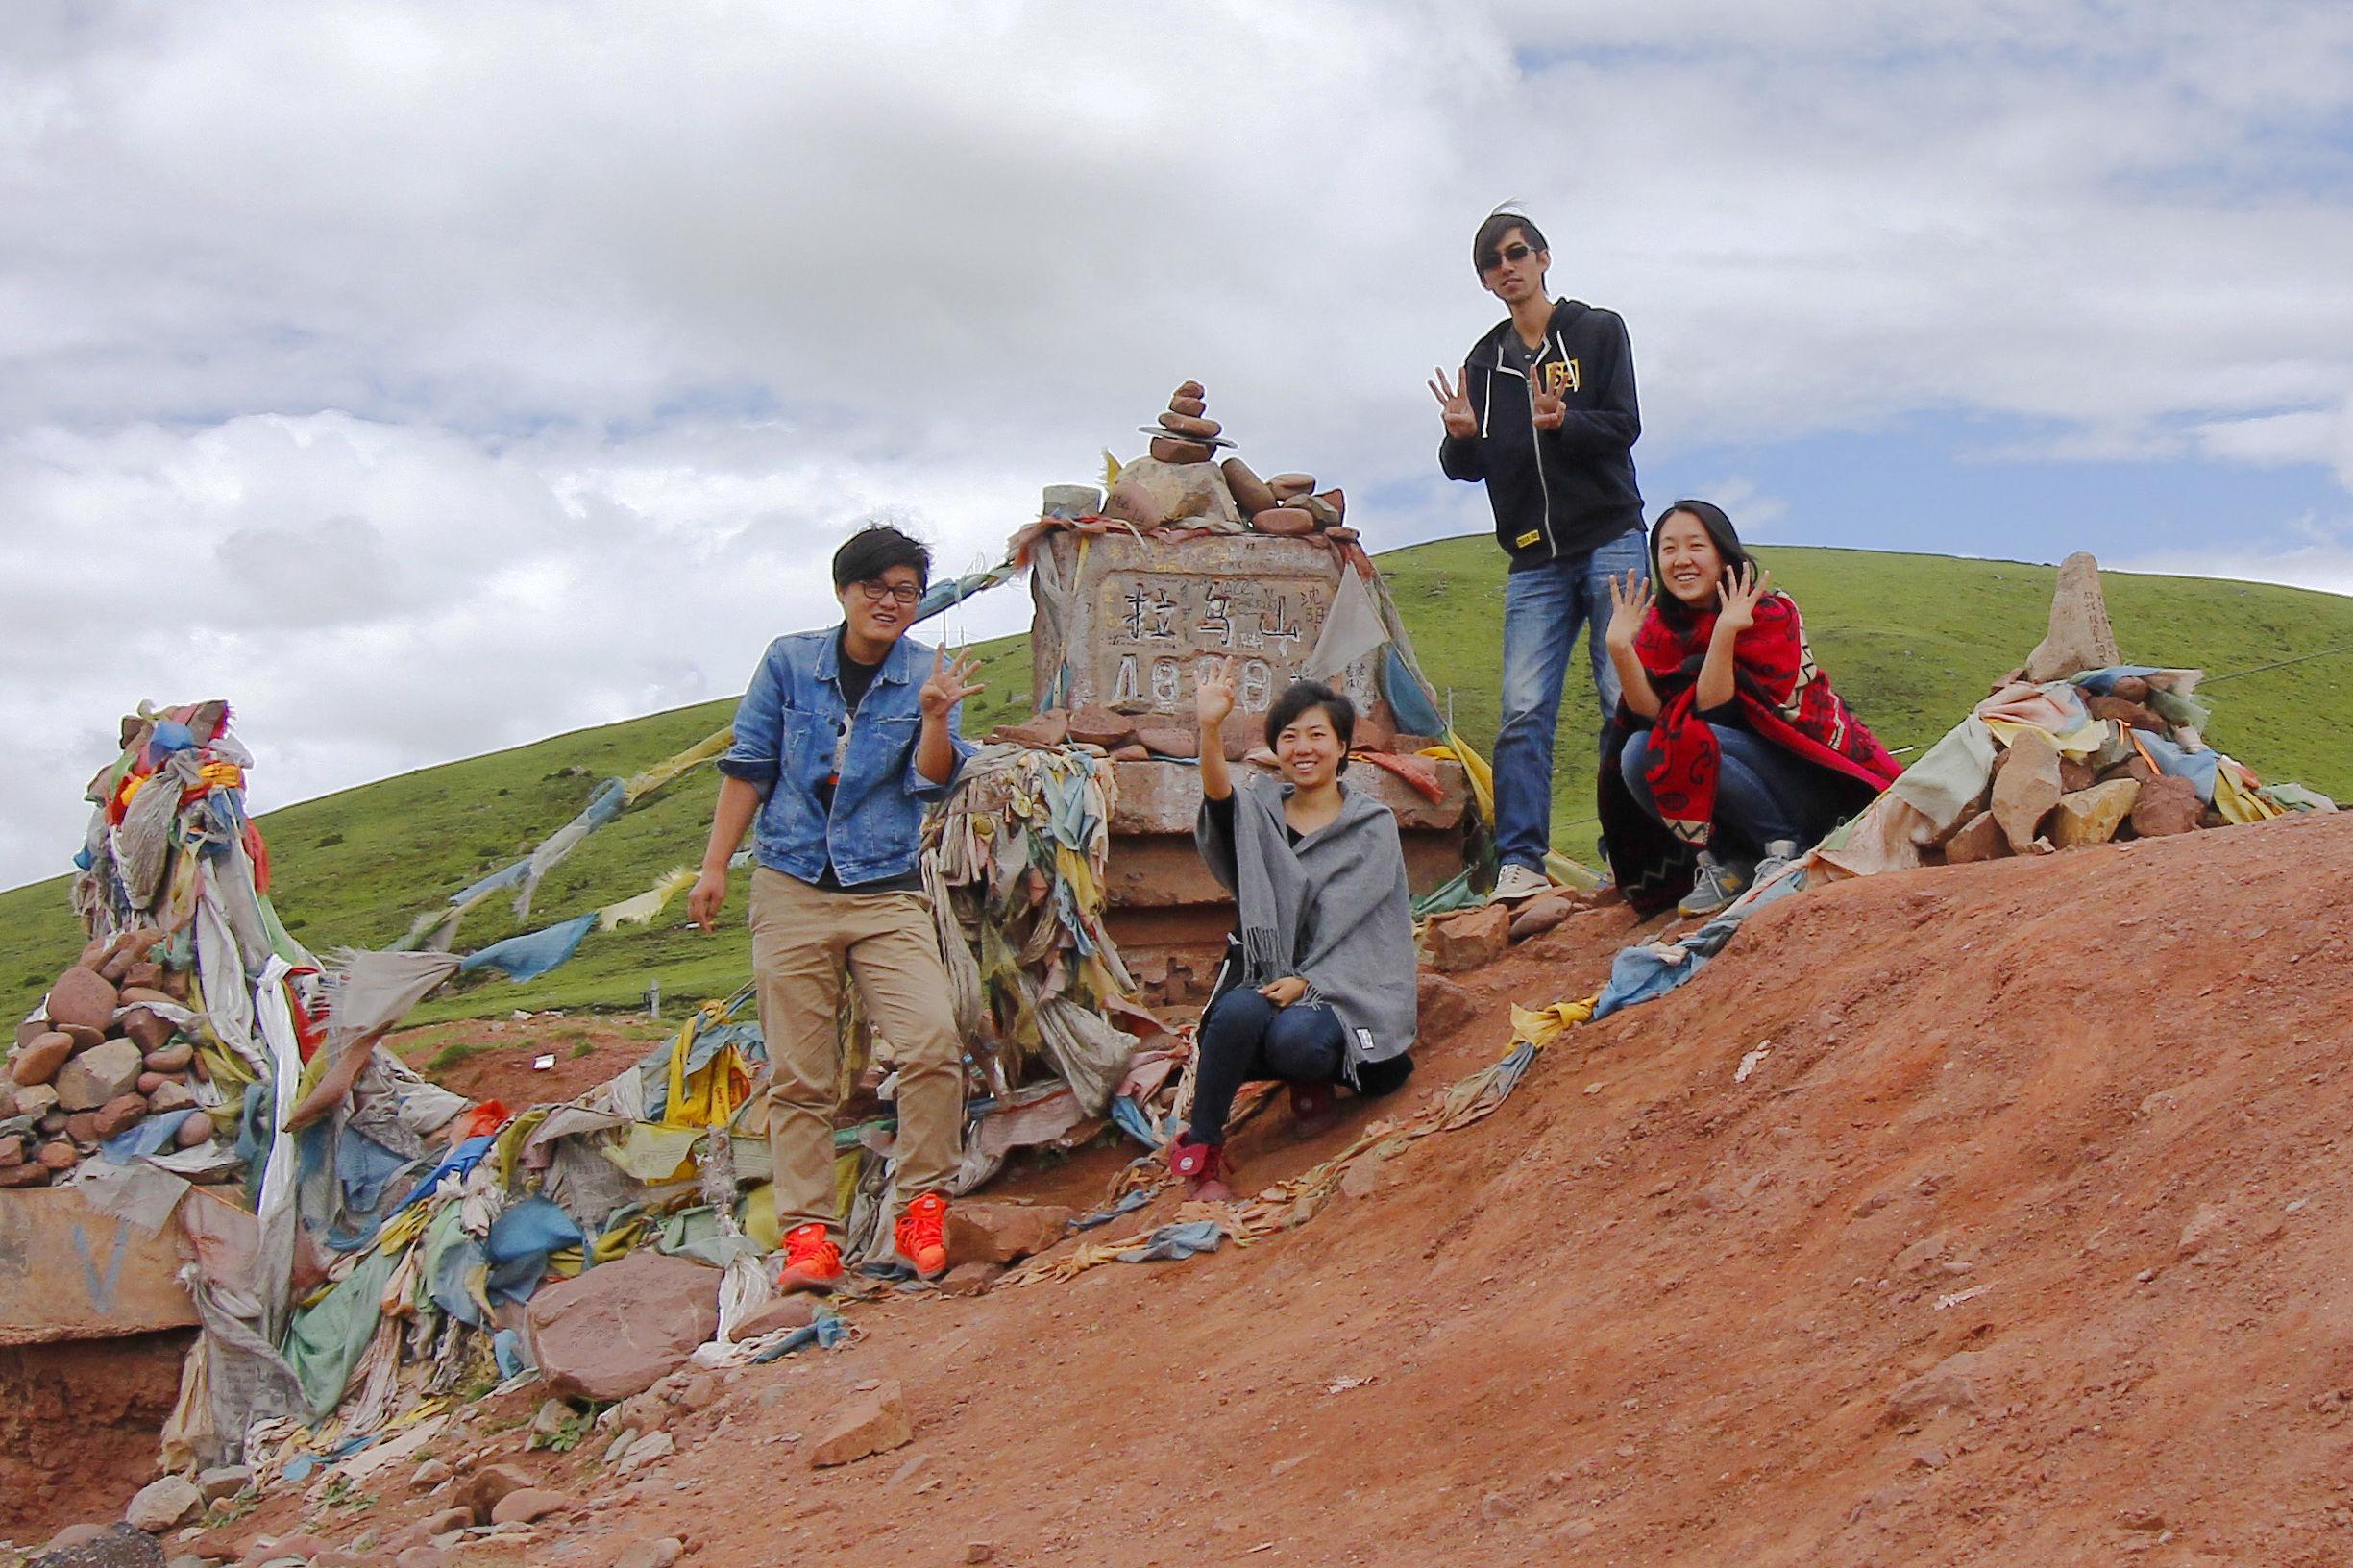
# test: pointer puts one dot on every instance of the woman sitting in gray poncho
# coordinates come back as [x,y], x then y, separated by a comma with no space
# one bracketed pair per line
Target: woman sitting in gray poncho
[1321,987]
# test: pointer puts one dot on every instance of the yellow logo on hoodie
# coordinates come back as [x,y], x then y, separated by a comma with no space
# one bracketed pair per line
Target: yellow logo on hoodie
[1564,376]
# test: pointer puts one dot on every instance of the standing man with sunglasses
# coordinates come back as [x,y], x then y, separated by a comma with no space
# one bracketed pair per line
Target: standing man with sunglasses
[1545,414]
[842,740]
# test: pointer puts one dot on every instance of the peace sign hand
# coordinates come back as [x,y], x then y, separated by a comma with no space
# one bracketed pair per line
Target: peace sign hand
[1455,403]
[1546,407]
[951,684]
[1738,598]
[1631,598]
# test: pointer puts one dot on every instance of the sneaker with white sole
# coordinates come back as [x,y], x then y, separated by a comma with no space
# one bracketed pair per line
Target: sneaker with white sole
[1515,883]
[1714,888]
[1779,853]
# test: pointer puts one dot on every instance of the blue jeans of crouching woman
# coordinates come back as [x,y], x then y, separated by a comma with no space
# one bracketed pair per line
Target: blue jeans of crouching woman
[1544,609]
[1244,1038]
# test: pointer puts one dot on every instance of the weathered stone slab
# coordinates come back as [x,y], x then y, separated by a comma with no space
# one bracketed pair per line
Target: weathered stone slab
[2079,637]
[69,1272]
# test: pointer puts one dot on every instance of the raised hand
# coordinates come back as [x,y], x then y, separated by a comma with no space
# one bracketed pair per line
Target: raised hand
[1631,598]
[1545,406]
[951,684]
[1455,403]
[1737,599]
[1214,692]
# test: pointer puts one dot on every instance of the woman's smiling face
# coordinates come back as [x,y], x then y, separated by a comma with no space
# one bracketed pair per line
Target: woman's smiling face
[1688,564]
[1309,749]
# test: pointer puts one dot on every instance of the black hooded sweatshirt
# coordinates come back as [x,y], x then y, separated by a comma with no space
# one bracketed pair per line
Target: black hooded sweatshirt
[1559,492]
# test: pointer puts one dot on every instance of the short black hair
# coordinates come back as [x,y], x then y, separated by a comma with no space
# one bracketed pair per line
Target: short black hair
[875,548]
[1736,558]
[1487,245]
[1312,694]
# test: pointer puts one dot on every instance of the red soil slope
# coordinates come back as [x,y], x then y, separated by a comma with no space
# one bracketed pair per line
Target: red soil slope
[2081,1119]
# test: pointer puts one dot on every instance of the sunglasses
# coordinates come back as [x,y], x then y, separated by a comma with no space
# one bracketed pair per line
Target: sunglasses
[1516,252]
[898,592]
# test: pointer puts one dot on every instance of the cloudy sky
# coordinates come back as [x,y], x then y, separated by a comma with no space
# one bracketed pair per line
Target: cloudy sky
[428,378]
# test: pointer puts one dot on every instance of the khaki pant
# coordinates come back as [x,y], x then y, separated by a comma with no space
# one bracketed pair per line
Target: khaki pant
[801,938]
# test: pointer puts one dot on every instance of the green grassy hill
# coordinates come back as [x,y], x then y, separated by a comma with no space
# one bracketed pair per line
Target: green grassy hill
[1911,640]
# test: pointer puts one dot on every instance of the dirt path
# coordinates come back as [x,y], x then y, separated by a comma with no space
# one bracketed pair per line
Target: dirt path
[2079,1119]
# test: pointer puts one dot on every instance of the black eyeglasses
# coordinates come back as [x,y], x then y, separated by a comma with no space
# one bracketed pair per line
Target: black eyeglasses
[901,593]
[1516,251]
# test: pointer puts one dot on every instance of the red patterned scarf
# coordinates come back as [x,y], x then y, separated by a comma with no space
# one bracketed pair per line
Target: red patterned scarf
[1782,695]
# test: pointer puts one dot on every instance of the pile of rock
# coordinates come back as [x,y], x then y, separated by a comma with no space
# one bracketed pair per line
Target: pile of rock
[2041,800]
[103,1056]
[1177,485]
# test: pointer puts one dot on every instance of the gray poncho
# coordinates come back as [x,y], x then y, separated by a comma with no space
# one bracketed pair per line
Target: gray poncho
[1334,909]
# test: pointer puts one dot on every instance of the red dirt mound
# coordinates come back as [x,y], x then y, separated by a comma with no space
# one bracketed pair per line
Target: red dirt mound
[2020,1241]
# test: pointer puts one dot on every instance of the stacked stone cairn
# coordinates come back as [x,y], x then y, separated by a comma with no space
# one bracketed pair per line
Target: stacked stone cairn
[1180,483]
[100,1058]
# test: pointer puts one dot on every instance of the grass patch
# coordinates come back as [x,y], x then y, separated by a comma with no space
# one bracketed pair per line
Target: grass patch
[449,1056]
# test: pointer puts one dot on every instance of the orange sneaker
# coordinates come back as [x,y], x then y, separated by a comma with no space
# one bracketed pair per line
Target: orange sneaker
[922,1235]
[811,1259]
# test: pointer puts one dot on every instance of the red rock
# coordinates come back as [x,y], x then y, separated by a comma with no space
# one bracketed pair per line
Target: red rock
[2130,714]
[135,996]
[177,985]
[528,1504]
[1002,1232]
[150,1082]
[1249,491]
[82,1126]
[795,1311]
[35,1174]
[1100,726]
[1373,732]
[145,976]
[1980,838]
[82,996]
[14,1150]
[1470,939]
[1191,425]
[869,1423]
[618,1328]
[59,1156]
[1170,741]
[96,1076]
[1337,499]
[2075,776]
[1443,1004]
[1050,728]
[1133,751]
[2166,805]
[173,1096]
[82,1036]
[1538,915]
[1290,522]
[970,1278]
[1342,535]
[194,1128]
[118,1115]
[39,1062]
[1191,389]
[1288,485]
[35,1100]
[486,1486]
[2026,787]
[2131,688]
[1194,406]
[149,1033]
[1168,449]
[1950,1384]
[2135,767]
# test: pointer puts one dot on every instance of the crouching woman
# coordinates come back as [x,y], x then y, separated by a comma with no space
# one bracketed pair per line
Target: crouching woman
[1731,752]
[1319,987]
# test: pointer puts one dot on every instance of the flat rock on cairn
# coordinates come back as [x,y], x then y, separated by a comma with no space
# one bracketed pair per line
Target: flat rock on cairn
[617,1329]
[2080,637]
[2026,787]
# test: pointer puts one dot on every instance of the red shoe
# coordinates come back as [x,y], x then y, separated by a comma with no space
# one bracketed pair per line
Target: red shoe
[1313,1107]
[922,1235]
[1203,1166]
[811,1259]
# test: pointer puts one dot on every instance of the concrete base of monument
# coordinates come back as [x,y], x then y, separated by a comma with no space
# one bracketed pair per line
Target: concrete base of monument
[1171,917]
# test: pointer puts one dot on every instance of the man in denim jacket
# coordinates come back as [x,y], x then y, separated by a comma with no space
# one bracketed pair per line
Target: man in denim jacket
[841,739]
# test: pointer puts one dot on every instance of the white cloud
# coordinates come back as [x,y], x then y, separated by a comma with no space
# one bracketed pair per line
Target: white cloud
[430,378]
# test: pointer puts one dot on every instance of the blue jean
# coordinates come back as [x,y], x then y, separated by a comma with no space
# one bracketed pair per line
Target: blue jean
[1246,1036]
[1762,792]
[1544,609]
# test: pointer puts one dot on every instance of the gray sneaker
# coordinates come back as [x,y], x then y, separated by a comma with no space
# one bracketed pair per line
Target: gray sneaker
[1779,853]
[1715,887]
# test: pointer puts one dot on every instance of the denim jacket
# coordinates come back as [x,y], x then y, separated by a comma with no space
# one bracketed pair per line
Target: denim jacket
[787,730]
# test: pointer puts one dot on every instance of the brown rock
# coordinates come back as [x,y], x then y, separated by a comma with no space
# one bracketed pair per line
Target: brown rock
[118,1115]
[82,1036]
[1100,726]
[1342,535]
[96,1076]
[1536,915]
[53,1122]
[59,1156]
[2026,787]
[14,1149]
[2166,805]
[35,1100]
[1002,1232]
[1133,751]
[1337,499]
[486,1486]
[134,996]
[1980,838]
[2079,637]
[1191,389]
[1191,426]
[2131,714]
[82,996]
[1318,508]
[1169,740]
[173,1096]
[150,1032]
[439,1523]
[83,1127]
[1290,522]
[1149,493]
[194,1128]
[144,975]
[2091,816]
[177,985]
[653,1554]
[1194,406]
[2131,688]
[2135,767]
[795,1312]
[614,1331]
[528,1504]
[1168,449]
[1288,485]
[1443,1006]
[150,1082]
[1950,1384]
[869,1423]
[2075,777]
[1250,492]
[35,1174]
[1471,939]
[39,1062]
[970,1278]
[1050,728]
